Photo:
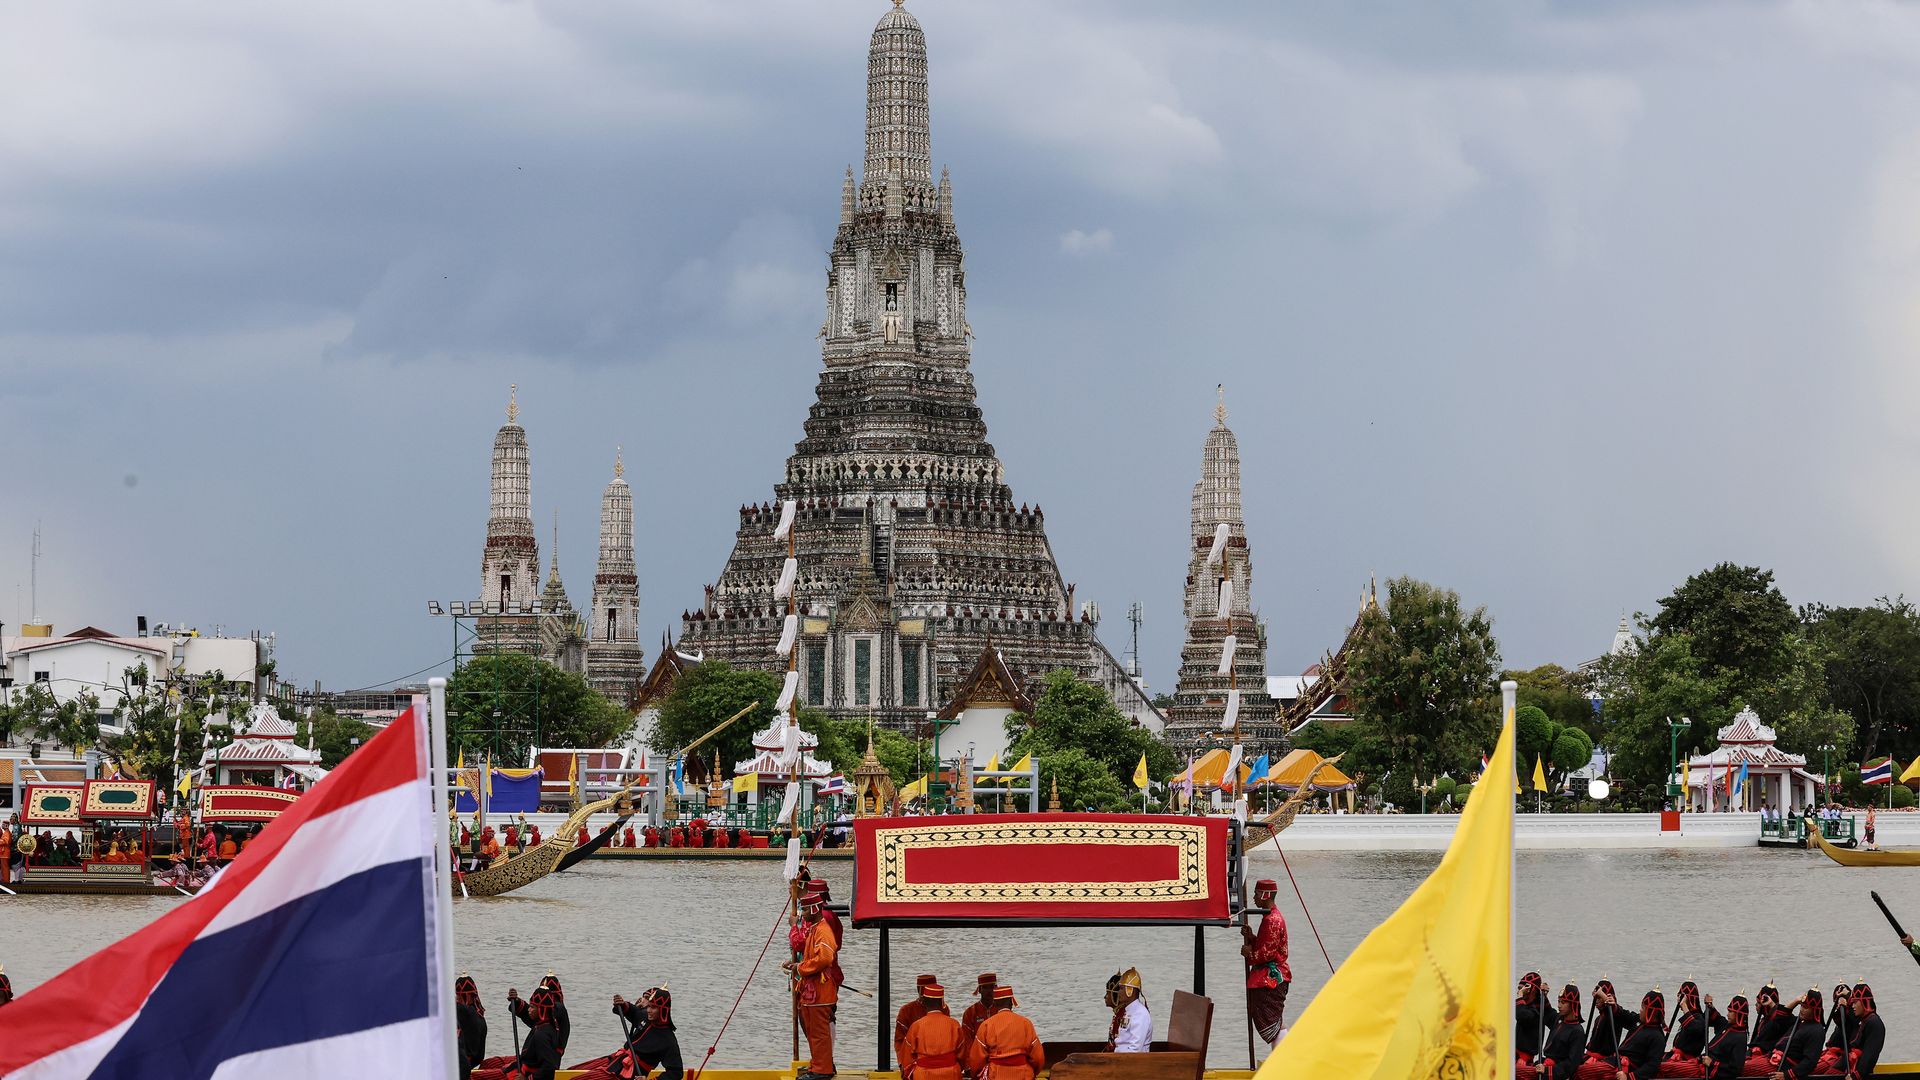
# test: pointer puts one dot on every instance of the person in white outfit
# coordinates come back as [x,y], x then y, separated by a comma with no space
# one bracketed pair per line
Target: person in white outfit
[1132,1030]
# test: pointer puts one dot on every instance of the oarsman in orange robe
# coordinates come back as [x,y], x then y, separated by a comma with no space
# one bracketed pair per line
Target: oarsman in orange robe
[911,1011]
[933,1042]
[183,838]
[818,991]
[977,1012]
[1005,1047]
[6,857]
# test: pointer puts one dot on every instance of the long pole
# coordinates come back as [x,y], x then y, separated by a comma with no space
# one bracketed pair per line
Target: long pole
[440,881]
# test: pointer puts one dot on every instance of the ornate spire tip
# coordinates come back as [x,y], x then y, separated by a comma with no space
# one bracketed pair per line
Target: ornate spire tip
[1220,405]
[619,466]
[513,403]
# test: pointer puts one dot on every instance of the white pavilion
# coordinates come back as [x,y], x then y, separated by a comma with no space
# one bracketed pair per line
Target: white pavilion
[264,753]
[1775,777]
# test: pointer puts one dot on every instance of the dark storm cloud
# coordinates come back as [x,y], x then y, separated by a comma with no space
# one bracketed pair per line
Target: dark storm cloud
[1551,304]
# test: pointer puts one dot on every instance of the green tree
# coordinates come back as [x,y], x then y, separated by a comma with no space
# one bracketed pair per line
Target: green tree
[1558,693]
[1738,621]
[1532,734]
[1085,782]
[37,713]
[1070,715]
[1572,750]
[1366,757]
[843,744]
[1660,681]
[1871,657]
[335,736]
[504,703]
[1420,678]
[708,693]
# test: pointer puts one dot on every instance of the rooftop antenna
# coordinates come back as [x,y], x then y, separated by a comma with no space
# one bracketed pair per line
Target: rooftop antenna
[35,574]
[1135,616]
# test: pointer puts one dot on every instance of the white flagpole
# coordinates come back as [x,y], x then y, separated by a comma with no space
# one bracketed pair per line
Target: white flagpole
[1508,690]
[442,879]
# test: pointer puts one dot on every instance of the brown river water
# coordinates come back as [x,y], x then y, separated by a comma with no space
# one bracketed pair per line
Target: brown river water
[1729,919]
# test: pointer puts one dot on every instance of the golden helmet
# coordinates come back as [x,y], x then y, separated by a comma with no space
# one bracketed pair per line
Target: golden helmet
[1120,984]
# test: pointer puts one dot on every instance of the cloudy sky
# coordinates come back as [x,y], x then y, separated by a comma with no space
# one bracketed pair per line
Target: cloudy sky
[1550,304]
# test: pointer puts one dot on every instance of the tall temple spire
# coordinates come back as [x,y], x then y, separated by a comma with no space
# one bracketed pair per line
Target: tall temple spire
[1219,582]
[897,136]
[916,553]
[510,559]
[616,664]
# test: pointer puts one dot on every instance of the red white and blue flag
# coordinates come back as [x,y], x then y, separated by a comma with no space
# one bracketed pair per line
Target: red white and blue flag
[314,954]
[1878,774]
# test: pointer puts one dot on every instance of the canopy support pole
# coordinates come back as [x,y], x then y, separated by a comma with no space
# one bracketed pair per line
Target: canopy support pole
[1200,961]
[883,1026]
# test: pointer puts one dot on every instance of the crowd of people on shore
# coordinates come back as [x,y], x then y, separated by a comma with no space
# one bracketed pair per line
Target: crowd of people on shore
[1594,1037]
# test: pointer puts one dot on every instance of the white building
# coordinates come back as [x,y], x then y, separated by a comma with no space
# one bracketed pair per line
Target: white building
[93,661]
[1773,777]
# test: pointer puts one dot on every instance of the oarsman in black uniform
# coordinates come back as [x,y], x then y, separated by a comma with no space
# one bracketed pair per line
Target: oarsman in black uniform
[556,1004]
[540,1053]
[1870,1033]
[1799,1050]
[1726,1055]
[1840,1031]
[1566,1047]
[1770,1025]
[1611,1025]
[470,1021]
[1640,1051]
[1691,1029]
[6,988]
[1532,1020]
[653,1044]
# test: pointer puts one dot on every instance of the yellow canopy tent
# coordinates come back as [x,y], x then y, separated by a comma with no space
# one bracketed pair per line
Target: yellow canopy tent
[1208,770]
[1291,771]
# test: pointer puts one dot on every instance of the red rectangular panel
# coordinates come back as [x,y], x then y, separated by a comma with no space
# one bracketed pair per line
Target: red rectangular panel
[991,868]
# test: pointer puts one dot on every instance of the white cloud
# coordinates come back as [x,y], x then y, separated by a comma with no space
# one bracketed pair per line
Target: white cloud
[1078,242]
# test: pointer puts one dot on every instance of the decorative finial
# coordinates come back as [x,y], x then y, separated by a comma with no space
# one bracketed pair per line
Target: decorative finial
[1220,405]
[513,403]
[619,466]
[897,3]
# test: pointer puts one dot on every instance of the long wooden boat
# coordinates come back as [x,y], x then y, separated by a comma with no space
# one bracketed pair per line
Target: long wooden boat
[572,858]
[537,862]
[1844,857]
[1265,829]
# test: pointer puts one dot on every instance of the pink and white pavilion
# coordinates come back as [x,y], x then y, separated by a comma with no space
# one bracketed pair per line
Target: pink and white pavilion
[263,753]
[766,762]
[1774,776]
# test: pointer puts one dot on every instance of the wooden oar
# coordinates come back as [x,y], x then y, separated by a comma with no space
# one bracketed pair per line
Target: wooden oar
[515,1017]
[1895,923]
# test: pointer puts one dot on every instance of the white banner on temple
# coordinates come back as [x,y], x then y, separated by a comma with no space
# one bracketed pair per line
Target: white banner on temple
[1232,715]
[784,587]
[1225,607]
[790,744]
[793,849]
[1219,544]
[1230,780]
[787,690]
[788,632]
[781,530]
[1226,655]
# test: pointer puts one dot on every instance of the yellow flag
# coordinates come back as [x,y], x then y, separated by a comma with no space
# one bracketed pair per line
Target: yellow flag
[746,782]
[186,783]
[915,790]
[993,765]
[1539,774]
[1686,782]
[1025,763]
[1426,995]
[1140,773]
[1912,773]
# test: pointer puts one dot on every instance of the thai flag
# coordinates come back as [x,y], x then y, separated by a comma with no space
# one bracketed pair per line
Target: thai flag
[834,785]
[1878,774]
[313,953]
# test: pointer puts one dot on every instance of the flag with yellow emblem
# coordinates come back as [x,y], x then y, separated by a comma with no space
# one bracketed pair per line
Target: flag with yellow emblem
[1427,994]
[1140,774]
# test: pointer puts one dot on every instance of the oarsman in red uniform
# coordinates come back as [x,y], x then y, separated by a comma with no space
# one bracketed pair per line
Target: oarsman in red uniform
[1872,1033]
[931,1047]
[978,1012]
[1268,974]
[627,837]
[697,833]
[650,836]
[1530,1027]
[1842,1033]
[1005,1047]
[1612,1023]
[819,993]
[912,1011]
[513,836]
[581,839]
[533,832]
[1727,1053]
[721,839]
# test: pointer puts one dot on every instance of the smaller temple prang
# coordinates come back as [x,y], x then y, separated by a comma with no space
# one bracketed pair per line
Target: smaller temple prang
[615,661]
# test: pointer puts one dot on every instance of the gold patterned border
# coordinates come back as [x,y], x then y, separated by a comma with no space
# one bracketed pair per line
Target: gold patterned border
[1189,884]
[52,806]
[118,799]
